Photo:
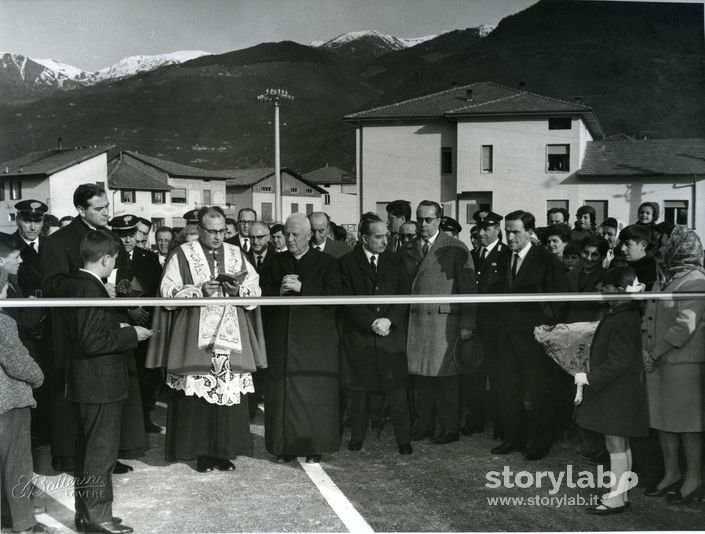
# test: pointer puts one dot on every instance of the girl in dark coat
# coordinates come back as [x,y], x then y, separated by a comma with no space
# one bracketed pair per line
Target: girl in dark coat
[615,400]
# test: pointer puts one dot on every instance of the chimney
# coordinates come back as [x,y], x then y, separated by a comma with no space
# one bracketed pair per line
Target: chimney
[7,169]
[20,168]
[60,143]
[522,85]
[468,95]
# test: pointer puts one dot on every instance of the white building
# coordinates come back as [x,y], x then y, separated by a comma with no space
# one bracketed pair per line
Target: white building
[50,176]
[485,145]
[340,200]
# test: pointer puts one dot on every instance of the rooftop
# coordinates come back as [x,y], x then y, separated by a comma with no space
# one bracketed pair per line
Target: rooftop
[123,173]
[645,157]
[330,175]
[48,162]
[480,99]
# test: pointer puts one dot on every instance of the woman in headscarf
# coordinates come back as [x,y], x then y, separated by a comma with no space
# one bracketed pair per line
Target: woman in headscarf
[674,358]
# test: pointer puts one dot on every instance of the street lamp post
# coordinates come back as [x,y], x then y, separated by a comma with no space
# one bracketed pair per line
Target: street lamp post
[276,95]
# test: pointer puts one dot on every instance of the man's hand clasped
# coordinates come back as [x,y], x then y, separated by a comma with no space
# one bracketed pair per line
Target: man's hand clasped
[381,326]
[290,284]
[143,333]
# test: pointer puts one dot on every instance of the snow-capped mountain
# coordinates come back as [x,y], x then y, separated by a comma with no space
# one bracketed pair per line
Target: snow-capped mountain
[371,43]
[132,65]
[62,69]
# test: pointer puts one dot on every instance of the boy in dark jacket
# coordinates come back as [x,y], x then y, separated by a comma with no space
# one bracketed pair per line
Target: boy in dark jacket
[97,384]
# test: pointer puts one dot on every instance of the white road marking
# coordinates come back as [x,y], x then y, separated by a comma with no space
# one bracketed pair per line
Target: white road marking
[340,504]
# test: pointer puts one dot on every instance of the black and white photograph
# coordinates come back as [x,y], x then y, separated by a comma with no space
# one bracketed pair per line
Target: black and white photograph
[352,266]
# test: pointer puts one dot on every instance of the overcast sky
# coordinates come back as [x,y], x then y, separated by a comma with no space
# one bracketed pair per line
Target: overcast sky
[93,34]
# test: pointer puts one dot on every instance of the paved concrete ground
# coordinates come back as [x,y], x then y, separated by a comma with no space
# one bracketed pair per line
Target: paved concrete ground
[438,488]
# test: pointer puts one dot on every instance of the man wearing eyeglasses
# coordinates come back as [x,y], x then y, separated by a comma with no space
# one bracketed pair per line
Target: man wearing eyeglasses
[438,264]
[211,351]
[245,217]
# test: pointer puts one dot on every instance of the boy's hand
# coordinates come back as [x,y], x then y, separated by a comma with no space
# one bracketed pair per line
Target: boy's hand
[142,333]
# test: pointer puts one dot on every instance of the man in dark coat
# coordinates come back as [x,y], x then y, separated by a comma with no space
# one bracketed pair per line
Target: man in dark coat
[60,259]
[302,391]
[373,338]
[138,276]
[524,367]
[320,225]
[490,260]
[437,264]
[245,217]
[97,384]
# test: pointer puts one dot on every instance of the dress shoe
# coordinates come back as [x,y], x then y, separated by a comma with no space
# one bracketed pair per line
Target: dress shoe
[505,448]
[107,527]
[445,438]
[223,465]
[354,445]
[468,430]
[679,498]
[285,458]
[81,521]
[313,459]
[39,528]
[152,428]
[121,468]
[602,509]
[405,448]
[419,435]
[654,491]
[534,452]
[204,464]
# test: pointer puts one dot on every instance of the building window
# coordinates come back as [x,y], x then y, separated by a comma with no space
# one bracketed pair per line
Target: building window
[294,190]
[127,196]
[157,222]
[178,196]
[600,207]
[2,190]
[326,200]
[266,211]
[326,185]
[157,197]
[560,123]
[12,216]
[309,209]
[266,189]
[676,212]
[558,158]
[207,197]
[487,159]
[309,191]
[15,190]
[446,160]
[294,207]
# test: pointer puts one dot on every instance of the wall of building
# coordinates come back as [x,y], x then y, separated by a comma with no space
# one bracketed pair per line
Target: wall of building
[63,184]
[34,188]
[343,205]
[404,161]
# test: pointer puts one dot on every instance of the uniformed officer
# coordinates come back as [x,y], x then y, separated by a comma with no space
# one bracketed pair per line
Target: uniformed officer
[491,259]
[450,226]
[191,217]
[138,275]
[30,219]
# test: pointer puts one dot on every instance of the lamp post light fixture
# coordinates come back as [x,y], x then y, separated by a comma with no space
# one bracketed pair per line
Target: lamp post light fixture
[276,95]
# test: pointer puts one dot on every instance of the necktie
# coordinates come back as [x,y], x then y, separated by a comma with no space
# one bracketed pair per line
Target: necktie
[425,247]
[259,263]
[31,245]
[246,244]
[515,262]
[317,248]
[483,255]
[373,264]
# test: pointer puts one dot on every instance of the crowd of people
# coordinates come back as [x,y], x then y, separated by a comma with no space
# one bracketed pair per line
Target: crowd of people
[436,371]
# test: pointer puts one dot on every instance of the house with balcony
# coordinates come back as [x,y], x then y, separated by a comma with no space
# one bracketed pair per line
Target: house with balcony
[50,176]
[488,146]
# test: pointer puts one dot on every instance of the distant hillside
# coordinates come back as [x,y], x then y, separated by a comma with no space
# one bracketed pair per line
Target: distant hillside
[640,65]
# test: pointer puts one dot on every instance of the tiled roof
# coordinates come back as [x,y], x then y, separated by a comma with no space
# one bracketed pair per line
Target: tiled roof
[330,175]
[477,100]
[655,157]
[248,177]
[48,162]
[178,170]
[124,174]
